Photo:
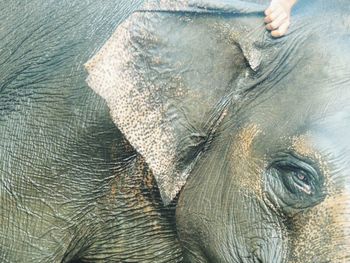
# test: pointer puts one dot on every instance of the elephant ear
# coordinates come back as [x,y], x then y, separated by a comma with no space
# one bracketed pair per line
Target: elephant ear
[167,75]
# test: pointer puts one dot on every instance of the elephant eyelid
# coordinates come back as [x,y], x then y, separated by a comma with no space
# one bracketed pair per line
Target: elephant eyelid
[295,164]
[304,176]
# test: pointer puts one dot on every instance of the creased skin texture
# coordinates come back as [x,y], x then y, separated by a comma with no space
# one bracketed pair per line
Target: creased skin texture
[61,155]
[274,184]
[271,135]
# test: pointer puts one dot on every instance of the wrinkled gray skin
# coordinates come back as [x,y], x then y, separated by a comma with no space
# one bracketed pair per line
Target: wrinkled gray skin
[264,127]
[71,188]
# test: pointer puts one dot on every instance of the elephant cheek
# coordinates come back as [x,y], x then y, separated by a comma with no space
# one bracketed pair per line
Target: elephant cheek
[323,233]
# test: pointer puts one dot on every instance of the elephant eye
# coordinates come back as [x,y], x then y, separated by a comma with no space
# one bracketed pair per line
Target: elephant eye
[297,180]
[293,184]
[298,177]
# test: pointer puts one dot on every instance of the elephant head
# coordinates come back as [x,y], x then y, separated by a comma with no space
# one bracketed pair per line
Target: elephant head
[255,130]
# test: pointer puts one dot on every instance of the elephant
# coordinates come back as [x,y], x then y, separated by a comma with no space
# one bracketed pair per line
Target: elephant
[173,131]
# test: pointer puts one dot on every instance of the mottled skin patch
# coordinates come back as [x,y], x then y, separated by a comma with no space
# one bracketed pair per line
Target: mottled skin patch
[324,228]
[245,140]
[242,159]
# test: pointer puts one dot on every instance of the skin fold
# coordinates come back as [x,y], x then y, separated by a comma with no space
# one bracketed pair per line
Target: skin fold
[221,144]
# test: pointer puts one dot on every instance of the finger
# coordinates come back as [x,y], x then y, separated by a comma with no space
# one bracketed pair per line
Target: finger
[282,30]
[271,9]
[273,15]
[282,18]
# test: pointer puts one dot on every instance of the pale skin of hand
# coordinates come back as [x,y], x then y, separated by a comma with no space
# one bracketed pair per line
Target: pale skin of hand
[277,16]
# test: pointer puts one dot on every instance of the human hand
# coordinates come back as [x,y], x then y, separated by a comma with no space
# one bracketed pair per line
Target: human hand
[277,16]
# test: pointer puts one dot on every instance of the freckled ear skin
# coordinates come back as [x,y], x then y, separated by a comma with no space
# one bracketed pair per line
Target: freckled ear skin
[168,76]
